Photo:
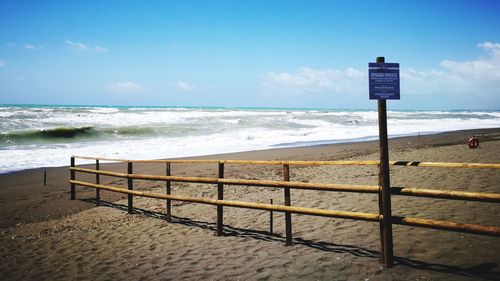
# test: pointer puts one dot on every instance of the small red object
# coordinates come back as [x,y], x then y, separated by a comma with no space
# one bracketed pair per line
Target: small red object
[473,142]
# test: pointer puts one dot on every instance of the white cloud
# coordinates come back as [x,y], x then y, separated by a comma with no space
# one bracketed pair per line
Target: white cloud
[124,87]
[483,69]
[181,85]
[100,49]
[2,63]
[310,80]
[79,46]
[32,47]
[492,47]
[478,77]
[452,79]
[27,46]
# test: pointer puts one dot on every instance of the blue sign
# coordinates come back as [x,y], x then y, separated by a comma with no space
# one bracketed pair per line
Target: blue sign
[383,81]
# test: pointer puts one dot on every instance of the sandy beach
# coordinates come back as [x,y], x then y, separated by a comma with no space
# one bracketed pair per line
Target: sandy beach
[46,236]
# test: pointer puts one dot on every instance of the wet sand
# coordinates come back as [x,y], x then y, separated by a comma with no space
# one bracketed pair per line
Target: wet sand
[44,235]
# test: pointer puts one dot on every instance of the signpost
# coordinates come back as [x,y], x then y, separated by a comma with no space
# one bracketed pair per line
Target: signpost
[383,81]
[384,84]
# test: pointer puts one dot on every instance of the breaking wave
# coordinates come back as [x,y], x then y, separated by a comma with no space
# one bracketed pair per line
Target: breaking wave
[36,136]
[71,134]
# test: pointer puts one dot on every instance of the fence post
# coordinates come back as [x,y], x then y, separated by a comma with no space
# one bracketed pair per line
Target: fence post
[168,191]
[386,184]
[380,212]
[220,196]
[385,179]
[130,187]
[271,219]
[97,181]
[288,215]
[72,177]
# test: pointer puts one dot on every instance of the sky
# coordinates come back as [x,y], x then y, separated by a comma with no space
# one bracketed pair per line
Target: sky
[298,54]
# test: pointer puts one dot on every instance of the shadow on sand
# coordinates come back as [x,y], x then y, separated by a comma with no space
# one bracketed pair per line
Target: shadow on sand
[483,271]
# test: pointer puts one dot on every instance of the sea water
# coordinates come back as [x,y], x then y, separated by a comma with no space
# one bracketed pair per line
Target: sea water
[33,136]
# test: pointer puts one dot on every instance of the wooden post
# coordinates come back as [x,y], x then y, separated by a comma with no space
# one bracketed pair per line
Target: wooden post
[130,187]
[271,219]
[168,191]
[44,178]
[385,179]
[288,215]
[380,212]
[220,196]
[72,177]
[97,181]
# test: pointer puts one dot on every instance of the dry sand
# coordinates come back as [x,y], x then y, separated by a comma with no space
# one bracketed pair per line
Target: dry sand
[46,236]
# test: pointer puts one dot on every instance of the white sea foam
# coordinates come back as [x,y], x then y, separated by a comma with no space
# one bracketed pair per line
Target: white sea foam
[33,137]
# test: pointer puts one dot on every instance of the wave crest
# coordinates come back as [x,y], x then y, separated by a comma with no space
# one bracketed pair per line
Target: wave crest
[70,134]
[48,134]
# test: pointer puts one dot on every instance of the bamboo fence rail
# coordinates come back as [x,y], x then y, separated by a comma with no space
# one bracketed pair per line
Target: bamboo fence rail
[305,163]
[262,183]
[286,185]
[406,191]
[241,204]
[434,224]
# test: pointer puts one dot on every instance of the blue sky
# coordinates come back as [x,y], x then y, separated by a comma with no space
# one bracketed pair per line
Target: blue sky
[248,53]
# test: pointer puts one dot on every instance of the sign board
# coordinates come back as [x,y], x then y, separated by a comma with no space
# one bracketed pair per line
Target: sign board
[383,81]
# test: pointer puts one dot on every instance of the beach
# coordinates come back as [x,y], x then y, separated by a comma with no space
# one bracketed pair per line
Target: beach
[250,140]
[44,235]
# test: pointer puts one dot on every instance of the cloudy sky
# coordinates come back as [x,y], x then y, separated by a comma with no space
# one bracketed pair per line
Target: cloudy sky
[248,53]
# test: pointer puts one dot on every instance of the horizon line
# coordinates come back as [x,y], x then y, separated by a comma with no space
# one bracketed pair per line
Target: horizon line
[235,107]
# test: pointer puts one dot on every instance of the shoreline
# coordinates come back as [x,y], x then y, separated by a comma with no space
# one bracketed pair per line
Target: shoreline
[393,141]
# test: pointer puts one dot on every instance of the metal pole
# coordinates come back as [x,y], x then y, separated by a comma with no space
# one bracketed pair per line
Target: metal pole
[385,179]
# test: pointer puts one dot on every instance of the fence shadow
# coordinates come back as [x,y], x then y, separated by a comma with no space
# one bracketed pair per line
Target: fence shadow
[482,271]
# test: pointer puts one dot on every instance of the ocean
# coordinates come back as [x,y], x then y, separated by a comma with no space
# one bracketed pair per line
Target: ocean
[33,136]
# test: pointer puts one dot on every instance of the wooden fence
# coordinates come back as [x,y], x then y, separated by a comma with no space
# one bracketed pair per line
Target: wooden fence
[286,184]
